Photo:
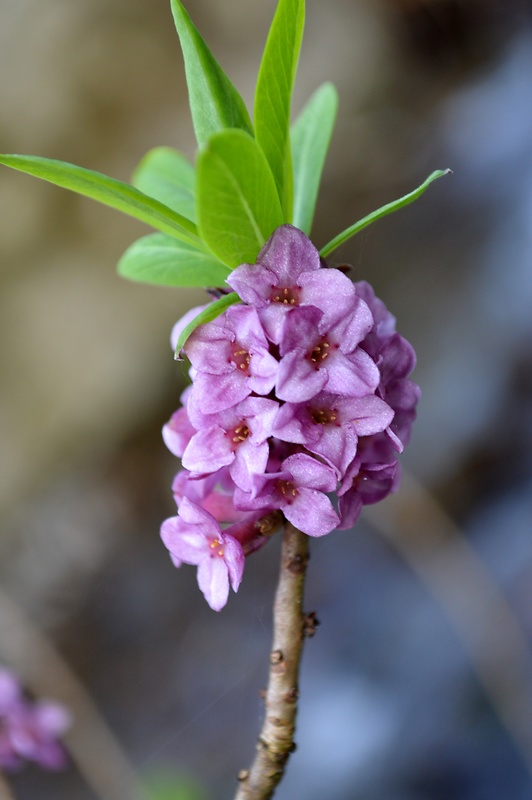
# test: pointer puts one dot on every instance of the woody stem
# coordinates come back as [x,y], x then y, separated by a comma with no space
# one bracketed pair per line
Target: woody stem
[290,626]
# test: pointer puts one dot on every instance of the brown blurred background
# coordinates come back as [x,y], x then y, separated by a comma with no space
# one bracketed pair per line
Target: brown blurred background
[417,686]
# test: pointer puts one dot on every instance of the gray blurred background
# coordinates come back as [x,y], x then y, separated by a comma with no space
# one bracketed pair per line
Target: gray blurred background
[418,683]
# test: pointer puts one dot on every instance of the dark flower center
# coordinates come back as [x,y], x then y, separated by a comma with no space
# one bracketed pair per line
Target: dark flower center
[240,433]
[287,490]
[240,358]
[323,416]
[288,296]
[320,352]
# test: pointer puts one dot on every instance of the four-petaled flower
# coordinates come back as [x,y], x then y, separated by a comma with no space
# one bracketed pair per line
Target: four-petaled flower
[329,425]
[237,438]
[298,489]
[232,359]
[194,537]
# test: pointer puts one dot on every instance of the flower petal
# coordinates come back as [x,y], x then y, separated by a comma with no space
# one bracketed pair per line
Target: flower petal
[213,580]
[312,512]
[208,451]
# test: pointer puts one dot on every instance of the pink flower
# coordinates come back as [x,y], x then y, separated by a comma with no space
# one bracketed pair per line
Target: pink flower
[30,730]
[301,391]
[288,274]
[194,537]
[298,489]
[237,438]
[364,484]
[329,425]
[178,432]
[214,493]
[318,356]
[232,359]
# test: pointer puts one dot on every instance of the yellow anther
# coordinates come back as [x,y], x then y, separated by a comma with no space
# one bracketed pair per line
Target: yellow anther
[321,416]
[287,488]
[319,353]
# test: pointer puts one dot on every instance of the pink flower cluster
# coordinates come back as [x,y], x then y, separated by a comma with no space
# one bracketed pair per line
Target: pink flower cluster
[29,731]
[298,393]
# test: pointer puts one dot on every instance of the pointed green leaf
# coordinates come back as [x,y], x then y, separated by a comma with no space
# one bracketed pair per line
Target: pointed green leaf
[389,208]
[166,175]
[165,261]
[238,205]
[311,135]
[108,191]
[214,102]
[207,315]
[274,94]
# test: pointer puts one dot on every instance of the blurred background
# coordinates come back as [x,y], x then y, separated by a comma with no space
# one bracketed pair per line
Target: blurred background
[418,683]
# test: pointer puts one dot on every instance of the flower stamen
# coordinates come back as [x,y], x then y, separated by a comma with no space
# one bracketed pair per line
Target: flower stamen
[241,433]
[320,352]
[214,544]
[241,358]
[287,489]
[287,296]
[323,417]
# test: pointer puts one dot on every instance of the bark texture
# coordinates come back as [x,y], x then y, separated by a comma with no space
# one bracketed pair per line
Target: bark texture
[276,739]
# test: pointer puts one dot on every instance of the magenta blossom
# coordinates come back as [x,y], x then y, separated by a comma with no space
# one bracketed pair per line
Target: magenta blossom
[237,438]
[329,425]
[300,392]
[232,359]
[298,489]
[178,432]
[214,493]
[30,730]
[364,484]
[396,359]
[288,274]
[194,537]
[320,357]
[182,323]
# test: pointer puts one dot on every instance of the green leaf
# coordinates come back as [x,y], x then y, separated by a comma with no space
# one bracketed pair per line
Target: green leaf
[207,315]
[166,175]
[214,102]
[108,191]
[238,205]
[273,95]
[389,208]
[311,135]
[163,260]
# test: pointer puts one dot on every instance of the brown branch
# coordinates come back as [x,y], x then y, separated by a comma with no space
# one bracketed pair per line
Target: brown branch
[290,626]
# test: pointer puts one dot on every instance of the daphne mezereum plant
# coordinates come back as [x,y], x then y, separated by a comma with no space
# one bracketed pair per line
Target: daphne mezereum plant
[30,730]
[300,401]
